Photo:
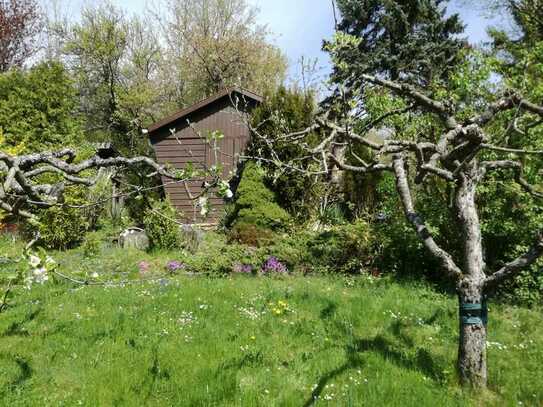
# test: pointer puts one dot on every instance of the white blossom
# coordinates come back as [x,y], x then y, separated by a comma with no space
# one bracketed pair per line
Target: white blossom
[34,261]
[202,202]
[40,275]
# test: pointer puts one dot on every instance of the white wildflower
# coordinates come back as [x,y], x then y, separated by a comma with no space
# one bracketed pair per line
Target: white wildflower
[34,261]
[202,202]
[28,282]
[40,275]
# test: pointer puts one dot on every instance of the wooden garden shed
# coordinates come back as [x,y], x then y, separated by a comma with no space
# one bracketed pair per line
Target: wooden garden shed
[181,139]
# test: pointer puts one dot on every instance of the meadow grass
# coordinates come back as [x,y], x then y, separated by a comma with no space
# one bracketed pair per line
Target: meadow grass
[252,341]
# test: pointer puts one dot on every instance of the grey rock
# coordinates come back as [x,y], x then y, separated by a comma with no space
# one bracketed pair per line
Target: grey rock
[134,238]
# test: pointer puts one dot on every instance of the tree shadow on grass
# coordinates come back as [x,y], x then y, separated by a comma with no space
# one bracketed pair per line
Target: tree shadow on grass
[25,372]
[353,362]
[402,354]
[420,360]
[17,328]
[329,310]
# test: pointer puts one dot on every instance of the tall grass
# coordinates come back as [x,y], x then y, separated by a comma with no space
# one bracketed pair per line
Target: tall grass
[246,341]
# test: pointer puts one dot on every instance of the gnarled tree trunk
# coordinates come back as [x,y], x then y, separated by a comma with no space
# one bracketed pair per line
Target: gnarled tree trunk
[472,341]
[472,307]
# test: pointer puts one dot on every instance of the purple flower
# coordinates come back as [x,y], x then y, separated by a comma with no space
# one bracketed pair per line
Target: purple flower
[273,265]
[242,268]
[174,266]
[144,266]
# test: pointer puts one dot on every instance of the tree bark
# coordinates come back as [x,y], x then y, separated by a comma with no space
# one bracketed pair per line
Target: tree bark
[471,364]
[472,343]
[337,173]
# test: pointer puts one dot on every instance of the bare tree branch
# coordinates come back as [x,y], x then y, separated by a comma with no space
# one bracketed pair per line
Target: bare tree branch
[418,97]
[513,268]
[510,150]
[20,187]
[502,105]
[404,192]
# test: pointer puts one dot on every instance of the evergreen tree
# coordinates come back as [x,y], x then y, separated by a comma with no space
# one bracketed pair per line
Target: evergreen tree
[255,215]
[38,109]
[399,39]
[282,112]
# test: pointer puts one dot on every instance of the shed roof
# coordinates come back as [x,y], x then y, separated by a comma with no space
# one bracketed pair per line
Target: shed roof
[201,105]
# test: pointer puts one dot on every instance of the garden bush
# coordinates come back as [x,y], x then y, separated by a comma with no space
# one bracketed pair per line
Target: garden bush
[91,245]
[284,111]
[160,221]
[251,235]
[503,207]
[254,215]
[397,248]
[61,227]
[343,249]
[399,251]
[217,256]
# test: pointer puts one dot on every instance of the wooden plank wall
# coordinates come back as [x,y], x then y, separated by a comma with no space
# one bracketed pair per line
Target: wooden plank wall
[186,145]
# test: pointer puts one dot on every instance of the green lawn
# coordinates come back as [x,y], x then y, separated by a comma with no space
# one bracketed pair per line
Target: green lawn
[256,341]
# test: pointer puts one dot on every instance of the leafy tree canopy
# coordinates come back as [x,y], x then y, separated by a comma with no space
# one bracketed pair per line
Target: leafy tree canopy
[20,24]
[212,44]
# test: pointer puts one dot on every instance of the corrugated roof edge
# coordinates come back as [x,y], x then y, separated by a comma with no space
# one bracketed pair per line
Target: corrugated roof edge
[201,104]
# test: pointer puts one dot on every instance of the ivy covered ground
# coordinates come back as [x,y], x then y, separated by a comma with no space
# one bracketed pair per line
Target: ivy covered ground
[249,341]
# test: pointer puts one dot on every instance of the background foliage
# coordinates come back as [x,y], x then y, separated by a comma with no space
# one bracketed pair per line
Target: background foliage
[38,109]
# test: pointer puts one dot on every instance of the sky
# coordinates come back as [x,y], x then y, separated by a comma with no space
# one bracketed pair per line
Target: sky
[299,26]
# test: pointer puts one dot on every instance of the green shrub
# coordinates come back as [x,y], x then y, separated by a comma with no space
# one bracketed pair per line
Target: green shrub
[62,228]
[91,245]
[343,249]
[254,215]
[284,111]
[502,208]
[161,225]
[398,249]
[510,220]
[251,234]
[526,288]
[332,214]
[216,256]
